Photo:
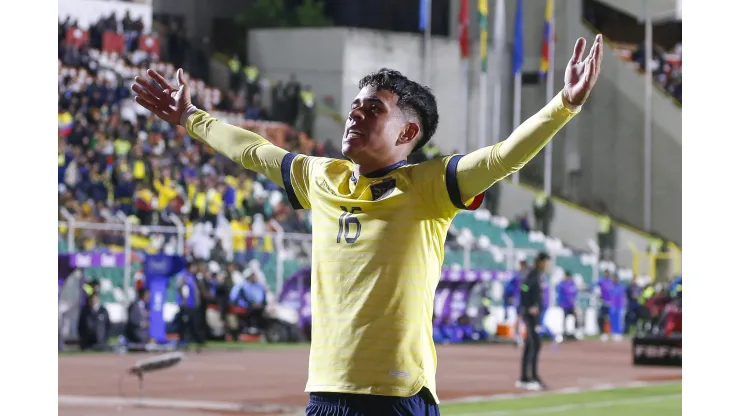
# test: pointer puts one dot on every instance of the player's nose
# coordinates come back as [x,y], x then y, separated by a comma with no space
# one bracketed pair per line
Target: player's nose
[356,114]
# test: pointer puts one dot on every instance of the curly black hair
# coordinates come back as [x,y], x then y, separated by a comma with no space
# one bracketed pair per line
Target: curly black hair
[412,97]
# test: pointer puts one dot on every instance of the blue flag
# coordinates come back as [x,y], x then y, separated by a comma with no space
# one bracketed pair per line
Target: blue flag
[518,61]
[423,14]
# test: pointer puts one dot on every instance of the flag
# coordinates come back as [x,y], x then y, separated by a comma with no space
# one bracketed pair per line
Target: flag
[423,4]
[149,43]
[77,37]
[463,24]
[548,36]
[518,61]
[483,22]
[66,123]
[113,42]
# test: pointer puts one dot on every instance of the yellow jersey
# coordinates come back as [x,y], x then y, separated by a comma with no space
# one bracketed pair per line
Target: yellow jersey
[378,248]
[378,245]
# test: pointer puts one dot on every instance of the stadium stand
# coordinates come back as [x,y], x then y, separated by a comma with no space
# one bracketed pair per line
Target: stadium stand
[115,158]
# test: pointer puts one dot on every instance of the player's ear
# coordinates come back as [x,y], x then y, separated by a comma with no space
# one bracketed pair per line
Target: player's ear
[409,133]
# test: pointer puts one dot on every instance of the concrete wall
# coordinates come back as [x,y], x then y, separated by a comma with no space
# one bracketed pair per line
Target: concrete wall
[572,224]
[605,142]
[88,12]
[657,9]
[315,56]
[199,14]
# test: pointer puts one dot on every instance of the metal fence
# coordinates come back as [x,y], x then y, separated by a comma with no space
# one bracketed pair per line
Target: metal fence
[278,254]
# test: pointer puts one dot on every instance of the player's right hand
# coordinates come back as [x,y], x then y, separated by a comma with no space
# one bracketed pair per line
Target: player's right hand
[166,101]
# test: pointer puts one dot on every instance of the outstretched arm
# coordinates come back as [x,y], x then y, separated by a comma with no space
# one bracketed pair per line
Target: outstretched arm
[172,103]
[479,170]
[242,146]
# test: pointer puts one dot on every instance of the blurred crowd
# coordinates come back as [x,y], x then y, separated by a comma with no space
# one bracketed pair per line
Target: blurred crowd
[665,67]
[115,158]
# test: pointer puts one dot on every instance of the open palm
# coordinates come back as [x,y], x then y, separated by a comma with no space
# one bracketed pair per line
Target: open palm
[164,100]
[581,74]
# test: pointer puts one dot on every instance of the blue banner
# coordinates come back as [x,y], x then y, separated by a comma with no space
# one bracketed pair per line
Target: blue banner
[157,295]
[518,61]
[423,14]
[158,269]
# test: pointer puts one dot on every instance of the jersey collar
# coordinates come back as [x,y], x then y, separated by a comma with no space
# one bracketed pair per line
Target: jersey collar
[382,171]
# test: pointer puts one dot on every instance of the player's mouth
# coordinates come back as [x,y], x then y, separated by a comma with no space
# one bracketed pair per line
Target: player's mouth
[354,133]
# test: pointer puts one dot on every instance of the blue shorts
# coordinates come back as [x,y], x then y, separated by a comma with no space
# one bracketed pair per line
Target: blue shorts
[342,404]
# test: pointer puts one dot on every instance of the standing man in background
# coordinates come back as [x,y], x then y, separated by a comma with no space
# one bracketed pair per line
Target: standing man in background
[604,286]
[567,292]
[633,293]
[530,310]
[616,311]
[137,325]
[189,299]
[512,292]
[543,212]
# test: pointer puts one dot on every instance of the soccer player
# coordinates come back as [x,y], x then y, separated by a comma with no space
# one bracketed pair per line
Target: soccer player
[567,294]
[531,305]
[379,225]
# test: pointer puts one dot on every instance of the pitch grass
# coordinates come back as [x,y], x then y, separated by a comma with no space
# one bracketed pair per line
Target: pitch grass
[655,400]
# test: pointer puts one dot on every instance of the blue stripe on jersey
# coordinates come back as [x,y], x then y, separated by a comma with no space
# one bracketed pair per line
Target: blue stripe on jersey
[451,180]
[285,166]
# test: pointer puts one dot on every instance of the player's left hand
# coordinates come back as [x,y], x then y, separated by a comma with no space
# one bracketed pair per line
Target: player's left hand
[581,74]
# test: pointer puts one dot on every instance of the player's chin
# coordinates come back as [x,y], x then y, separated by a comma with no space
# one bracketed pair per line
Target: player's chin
[352,147]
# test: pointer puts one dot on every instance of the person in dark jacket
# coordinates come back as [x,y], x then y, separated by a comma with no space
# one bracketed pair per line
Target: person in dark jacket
[137,326]
[530,305]
[94,324]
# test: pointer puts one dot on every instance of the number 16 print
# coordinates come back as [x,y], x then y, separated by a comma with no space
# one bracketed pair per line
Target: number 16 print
[344,221]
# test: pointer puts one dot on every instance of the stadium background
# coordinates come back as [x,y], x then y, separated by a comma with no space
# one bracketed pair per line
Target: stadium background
[107,144]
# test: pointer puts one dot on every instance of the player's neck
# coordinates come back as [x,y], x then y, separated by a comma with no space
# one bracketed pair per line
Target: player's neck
[366,168]
[375,168]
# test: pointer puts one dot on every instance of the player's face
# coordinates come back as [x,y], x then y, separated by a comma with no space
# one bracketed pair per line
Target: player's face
[373,126]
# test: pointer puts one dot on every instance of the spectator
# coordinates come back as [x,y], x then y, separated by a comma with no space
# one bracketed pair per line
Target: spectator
[292,100]
[250,295]
[633,292]
[189,299]
[543,212]
[137,325]
[307,111]
[255,110]
[94,324]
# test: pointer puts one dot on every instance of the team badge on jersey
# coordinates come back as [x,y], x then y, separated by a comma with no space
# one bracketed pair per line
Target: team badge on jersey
[383,189]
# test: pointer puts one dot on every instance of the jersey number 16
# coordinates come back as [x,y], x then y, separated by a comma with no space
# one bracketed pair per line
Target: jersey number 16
[344,222]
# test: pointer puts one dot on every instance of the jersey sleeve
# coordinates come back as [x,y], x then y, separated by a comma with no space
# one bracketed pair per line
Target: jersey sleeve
[436,182]
[298,173]
[484,167]
[244,147]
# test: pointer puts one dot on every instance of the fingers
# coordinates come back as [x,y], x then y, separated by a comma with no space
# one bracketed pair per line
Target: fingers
[157,111]
[595,47]
[160,79]
[594,62]
[578,51]
[144,94]
[149,106]
[180,77]
[154,90]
